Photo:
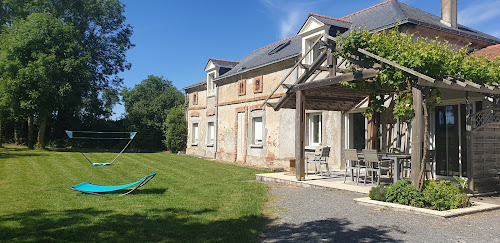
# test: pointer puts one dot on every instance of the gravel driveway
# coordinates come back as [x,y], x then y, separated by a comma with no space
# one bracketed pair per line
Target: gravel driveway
[321,215]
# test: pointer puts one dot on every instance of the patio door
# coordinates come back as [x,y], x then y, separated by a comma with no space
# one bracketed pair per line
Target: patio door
[450,143]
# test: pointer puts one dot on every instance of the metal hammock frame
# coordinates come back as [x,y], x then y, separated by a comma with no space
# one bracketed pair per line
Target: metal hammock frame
[130,138]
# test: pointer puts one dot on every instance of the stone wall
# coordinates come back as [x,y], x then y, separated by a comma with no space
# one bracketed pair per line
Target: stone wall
[486,157]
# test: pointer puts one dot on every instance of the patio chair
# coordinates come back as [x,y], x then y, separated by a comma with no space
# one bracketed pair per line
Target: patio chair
[352,164]
[95,189]
[319,158]
[375,165]
[430,164]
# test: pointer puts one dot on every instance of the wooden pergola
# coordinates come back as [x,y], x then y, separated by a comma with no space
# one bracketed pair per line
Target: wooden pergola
[329,94]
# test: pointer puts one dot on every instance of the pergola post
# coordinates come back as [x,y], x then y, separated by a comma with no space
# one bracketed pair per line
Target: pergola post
[417,129]
[468,134]
[300,133]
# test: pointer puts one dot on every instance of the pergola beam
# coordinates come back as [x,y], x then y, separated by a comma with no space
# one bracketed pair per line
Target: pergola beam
[361,75]
[447,84]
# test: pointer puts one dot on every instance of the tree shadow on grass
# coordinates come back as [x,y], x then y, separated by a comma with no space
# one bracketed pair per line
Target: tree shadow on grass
[8,153]
[94,225]
[330,230]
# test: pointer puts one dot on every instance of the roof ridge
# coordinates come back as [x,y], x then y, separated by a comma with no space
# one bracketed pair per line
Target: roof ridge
[276,43]
[366,9]
[327,17]
[215,59]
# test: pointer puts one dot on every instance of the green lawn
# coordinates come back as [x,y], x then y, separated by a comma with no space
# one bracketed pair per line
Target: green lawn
[189,200]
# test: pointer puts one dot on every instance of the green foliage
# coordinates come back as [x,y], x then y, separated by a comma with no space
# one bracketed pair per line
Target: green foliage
[403,192]
[444,195]
[434,58]
[378,193]
[461,181]
[176,130]
[148,105]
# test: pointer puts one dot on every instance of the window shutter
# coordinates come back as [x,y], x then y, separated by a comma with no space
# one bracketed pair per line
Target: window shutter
[242,87]
[258,84]
[195,98]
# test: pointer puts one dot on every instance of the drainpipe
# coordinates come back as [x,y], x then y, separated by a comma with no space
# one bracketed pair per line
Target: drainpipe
[216,121]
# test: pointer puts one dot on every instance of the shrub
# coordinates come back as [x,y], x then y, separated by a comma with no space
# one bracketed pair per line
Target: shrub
[444,195]
[378,193]
[403,192]
[176,131]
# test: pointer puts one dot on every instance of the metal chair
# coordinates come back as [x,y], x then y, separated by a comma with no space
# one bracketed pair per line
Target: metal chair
[352,163]
[319,158]
[375,165]
[430,164]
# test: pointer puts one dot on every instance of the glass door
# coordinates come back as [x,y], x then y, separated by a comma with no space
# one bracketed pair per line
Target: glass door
[451,141]
[447,140]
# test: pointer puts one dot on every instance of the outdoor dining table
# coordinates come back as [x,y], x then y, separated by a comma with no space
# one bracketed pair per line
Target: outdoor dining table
[396,162]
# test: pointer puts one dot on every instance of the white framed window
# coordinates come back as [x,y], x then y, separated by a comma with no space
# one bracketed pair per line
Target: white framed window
[210,133]
[257,130]
[314,53]
[210,84]
[195,133]
[314,128]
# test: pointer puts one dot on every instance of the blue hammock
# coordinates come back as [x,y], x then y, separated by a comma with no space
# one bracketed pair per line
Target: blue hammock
[98,189]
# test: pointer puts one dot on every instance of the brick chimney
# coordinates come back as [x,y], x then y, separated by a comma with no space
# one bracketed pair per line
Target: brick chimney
[449,13]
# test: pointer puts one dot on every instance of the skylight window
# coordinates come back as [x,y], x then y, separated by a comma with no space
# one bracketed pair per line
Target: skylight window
[279,47]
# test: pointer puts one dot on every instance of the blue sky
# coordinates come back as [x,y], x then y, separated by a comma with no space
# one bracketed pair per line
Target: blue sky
[174,39]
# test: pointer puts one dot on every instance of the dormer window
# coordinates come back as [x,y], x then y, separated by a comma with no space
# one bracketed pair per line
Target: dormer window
[314,53]
[210,84]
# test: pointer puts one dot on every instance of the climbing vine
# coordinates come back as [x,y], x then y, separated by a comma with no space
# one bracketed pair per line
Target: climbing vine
[432,57]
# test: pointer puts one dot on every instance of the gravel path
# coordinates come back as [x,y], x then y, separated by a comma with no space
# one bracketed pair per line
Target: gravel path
[320,215]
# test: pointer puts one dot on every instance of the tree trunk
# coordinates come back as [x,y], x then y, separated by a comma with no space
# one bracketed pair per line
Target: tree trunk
[16,134]
[1,134]
[421,176]
[30,132]
[41,130]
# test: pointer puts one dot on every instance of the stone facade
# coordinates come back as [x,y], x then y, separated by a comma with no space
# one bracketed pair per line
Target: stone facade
[486,157]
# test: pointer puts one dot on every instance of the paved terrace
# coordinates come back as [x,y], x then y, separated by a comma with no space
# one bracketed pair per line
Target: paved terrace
[335,181]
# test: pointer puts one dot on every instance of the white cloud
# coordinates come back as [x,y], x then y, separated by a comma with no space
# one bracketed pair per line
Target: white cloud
[479,12]
[289,14]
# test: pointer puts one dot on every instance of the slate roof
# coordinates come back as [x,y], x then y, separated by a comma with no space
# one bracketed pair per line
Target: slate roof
[386,14]
[223,63]
[273,53]
[492,52]
[331,21]
[199,83]
[378,17]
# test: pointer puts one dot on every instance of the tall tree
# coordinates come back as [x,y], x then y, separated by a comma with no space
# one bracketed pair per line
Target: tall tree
[43,66]
[147,106]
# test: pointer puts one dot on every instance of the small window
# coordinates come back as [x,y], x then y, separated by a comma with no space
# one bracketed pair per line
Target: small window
[257,130]
[210,133]
[242,87]
[314,129]
[195,98]
[211,85]
[194,134]
[257,84]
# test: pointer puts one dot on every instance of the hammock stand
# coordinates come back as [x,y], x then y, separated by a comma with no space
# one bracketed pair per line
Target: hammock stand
[71,133]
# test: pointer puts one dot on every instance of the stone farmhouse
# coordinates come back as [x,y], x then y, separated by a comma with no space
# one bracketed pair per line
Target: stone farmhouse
[227,121]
